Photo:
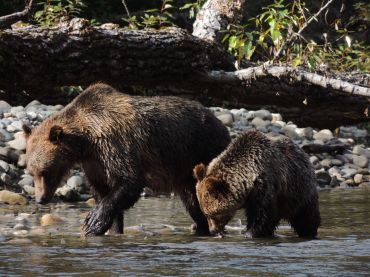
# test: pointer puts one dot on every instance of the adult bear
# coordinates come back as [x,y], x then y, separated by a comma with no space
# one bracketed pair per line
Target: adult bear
[125,143]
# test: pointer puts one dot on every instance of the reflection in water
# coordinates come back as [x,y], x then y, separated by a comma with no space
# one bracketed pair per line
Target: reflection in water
[158,242]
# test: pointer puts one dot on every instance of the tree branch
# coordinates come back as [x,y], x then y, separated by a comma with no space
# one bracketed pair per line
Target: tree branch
[7,20]
[297,75]
[314,17]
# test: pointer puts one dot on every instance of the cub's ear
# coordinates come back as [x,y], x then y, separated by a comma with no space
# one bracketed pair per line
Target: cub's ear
[56,134]
[27,130]
[199,172]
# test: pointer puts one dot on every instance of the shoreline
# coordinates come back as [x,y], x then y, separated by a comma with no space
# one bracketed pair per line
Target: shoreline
[347,166]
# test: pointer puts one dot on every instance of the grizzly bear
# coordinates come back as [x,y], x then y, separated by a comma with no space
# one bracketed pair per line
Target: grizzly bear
[272,179]
[125,143]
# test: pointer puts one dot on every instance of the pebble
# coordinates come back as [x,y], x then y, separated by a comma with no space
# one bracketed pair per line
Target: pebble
[4,107]
[263,114]
[259,122]
[4,166]
[323,135]
[331,170]
[26,181]
[18,144]
[290,132]
[361,161]
[91,202]
[28,189]
[12,198]
[68,194]
[226,119]
[348,172]
[364,185]
[51,219]
[358,178]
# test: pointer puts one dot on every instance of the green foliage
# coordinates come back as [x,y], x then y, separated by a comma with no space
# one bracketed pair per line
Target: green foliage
[153,18]
[193,7]
[275,35]
[53,10]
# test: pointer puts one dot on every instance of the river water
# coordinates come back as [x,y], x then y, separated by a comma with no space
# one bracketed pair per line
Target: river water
[158,242]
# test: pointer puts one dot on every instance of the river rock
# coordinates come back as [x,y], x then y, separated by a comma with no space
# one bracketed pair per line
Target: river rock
[260,123]
[22,161]
[279,123]
[308,133]
[5,135]
[76,183]
[226,119]
[4,107]
[32,115]
[27,180]
[361,161]
[51,219]
[18,144]
[348,172]
[5,178]
[263,114]
[28,189]
[91,202]
[68,194]
[323,135]
[32,104]
[326,163]
[4,166]
[290,131]
[21,115]
[12,198]
[323,178]
[16,109]
[20,226]
[333,170]
[364,185]
[358,150]
[336,162]
[314,160]
[358,178]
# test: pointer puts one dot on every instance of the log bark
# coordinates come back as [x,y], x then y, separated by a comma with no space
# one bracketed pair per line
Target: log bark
[38,59]
[170,61]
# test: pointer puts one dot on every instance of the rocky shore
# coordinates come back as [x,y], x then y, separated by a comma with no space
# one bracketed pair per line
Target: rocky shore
[341,160]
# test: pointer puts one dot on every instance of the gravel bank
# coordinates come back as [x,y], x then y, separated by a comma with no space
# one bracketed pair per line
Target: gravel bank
[341,160]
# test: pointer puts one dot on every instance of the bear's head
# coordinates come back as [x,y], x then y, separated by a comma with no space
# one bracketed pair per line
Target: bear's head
[213,195]
[50,154]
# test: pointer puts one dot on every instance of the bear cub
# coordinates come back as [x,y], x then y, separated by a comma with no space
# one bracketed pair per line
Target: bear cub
[271,178]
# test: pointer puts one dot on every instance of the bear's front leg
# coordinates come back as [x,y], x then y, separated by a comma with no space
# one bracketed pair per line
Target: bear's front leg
[100,219]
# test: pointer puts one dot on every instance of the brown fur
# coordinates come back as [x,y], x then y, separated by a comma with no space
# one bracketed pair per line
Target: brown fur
[271,178]
[125,143]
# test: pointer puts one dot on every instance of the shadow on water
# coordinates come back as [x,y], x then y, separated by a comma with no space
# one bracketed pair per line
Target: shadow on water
[158,241]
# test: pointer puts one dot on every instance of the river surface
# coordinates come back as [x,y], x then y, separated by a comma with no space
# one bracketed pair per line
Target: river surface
[158,242]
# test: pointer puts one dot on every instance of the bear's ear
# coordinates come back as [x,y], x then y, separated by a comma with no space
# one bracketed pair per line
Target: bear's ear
[27,130]
[56,134]
[199,172]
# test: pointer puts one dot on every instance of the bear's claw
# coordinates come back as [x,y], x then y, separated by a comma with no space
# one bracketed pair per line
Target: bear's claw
[97,222]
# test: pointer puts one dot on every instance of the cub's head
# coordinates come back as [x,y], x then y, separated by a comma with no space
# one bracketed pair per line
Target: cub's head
[214,197]
[50,154]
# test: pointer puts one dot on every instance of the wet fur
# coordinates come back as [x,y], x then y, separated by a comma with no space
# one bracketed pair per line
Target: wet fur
[271,178]
[125,143]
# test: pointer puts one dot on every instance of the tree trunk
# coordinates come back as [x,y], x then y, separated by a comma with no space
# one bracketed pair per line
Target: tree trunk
[38,59]
[170,61]
[215,15]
